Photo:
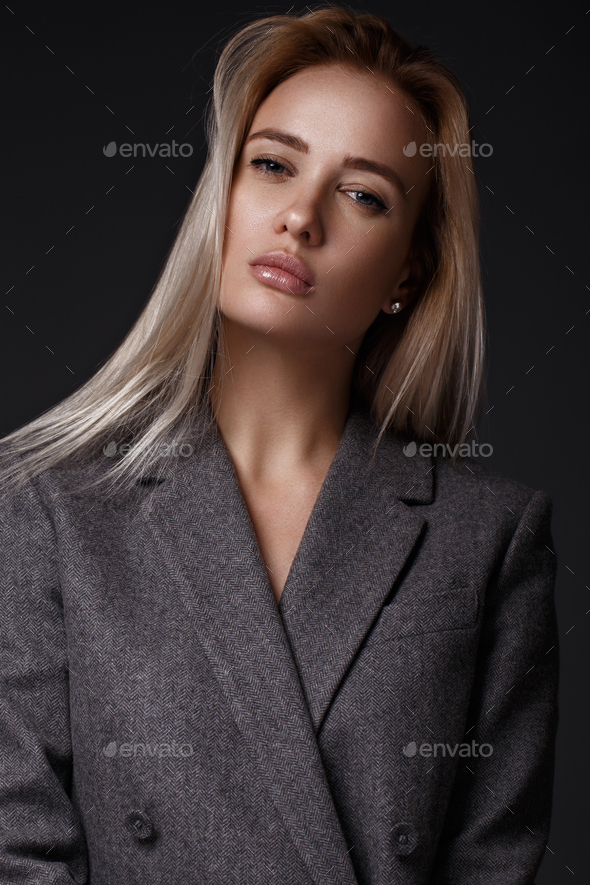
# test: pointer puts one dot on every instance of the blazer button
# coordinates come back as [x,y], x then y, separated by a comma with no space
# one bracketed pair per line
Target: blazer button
[140,825]
[405,839]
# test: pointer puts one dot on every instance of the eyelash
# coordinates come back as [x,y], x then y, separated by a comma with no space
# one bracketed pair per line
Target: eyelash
[378,206]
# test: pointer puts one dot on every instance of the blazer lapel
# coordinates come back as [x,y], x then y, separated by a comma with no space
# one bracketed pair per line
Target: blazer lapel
[204,533]
[355,545]
[280,666]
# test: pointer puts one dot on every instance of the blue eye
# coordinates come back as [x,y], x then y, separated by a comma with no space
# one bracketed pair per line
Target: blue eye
[259,162]
[377,204]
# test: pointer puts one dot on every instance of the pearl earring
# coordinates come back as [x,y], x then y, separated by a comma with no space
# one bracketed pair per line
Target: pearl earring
[396,306]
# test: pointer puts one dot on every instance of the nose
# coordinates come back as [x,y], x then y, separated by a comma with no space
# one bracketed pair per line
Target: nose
[301,216]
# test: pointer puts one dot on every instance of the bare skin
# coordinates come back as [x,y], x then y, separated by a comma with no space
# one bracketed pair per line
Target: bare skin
[286,390]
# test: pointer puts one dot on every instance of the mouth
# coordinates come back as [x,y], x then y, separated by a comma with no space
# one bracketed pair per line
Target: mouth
[283,272]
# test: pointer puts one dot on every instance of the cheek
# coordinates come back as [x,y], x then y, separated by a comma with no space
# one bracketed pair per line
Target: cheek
[233,215]
[372,268]
[245,211]
[238,230]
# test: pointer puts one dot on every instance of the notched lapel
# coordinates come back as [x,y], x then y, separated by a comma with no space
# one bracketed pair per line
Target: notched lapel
[199,520]
[356,543]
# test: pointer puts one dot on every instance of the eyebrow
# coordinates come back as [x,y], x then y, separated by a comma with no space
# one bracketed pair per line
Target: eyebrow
[360,163]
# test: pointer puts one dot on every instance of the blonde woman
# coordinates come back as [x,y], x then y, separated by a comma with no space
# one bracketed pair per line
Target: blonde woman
[263,622]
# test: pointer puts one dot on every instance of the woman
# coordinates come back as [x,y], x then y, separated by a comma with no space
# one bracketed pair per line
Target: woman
[256,629]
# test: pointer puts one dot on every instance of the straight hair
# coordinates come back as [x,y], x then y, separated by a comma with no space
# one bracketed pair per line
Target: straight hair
[421,372]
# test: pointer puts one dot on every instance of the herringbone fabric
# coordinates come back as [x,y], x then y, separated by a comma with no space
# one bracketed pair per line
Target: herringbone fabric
[163,720]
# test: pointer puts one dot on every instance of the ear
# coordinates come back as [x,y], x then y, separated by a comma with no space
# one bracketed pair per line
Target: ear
[407,286]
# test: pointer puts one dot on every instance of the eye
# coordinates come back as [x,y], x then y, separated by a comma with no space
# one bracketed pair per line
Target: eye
[260,162]
[269,167]
[376,204]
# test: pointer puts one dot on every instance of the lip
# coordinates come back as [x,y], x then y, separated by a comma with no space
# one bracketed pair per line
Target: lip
[282,270]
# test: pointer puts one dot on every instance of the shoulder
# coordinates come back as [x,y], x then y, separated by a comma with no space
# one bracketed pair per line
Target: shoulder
[42,493]
[470,480]
[460,489]
[463,495]
[489,504]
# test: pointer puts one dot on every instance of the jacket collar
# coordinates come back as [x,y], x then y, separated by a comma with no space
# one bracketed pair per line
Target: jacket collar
[280,666]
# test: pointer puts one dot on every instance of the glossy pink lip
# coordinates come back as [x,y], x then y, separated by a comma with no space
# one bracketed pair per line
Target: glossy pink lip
[282,270]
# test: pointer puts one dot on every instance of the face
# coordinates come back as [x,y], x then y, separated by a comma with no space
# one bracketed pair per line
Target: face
[297,191]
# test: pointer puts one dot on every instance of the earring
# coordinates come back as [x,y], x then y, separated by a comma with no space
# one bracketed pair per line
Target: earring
[396,306]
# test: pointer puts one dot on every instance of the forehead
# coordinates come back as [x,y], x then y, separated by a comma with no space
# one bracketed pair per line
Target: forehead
[345,105]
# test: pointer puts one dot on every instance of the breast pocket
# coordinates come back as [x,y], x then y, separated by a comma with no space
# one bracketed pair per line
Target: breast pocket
[416,610]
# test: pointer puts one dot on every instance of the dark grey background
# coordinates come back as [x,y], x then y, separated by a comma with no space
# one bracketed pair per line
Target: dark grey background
[84,237]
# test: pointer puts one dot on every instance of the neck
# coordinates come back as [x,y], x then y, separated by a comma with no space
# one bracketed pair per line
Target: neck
[280,408]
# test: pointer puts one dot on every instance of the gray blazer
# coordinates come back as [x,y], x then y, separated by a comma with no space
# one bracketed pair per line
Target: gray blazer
[164,722]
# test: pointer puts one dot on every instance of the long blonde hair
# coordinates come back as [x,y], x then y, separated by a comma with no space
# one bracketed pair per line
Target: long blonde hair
[421,371]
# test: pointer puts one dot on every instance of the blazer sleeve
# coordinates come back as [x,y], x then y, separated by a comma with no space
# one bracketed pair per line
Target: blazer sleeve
[41,836]
[497,823]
